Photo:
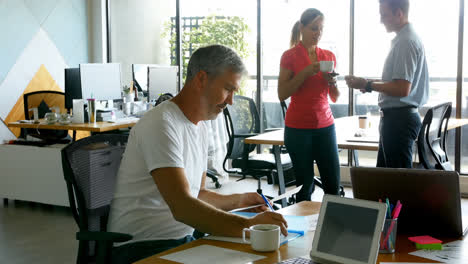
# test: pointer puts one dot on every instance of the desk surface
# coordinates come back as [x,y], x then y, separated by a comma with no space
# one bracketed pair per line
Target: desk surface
[296,248]
[345,128]
[92,127]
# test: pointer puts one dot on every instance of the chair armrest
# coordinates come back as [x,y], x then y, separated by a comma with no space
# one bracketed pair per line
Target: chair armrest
[103,236]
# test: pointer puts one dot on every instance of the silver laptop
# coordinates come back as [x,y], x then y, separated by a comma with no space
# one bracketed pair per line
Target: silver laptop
[348,231]
[430,198]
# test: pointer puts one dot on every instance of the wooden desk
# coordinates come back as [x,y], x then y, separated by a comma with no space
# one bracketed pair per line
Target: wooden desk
[345,128]
[90,127]
[96,127]
[295,248]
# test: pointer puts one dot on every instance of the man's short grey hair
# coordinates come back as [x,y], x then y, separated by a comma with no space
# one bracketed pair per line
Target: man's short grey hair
[394,5]
[214,60]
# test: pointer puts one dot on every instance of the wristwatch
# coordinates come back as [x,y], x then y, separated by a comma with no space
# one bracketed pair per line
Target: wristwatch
[368,87]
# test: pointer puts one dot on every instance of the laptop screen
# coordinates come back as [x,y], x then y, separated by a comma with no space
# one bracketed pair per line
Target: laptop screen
[347,231]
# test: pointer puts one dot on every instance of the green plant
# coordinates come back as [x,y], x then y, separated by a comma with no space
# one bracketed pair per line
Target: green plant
[228,31]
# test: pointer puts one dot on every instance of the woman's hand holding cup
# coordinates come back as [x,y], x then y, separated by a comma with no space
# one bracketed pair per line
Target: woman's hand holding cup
[313,68]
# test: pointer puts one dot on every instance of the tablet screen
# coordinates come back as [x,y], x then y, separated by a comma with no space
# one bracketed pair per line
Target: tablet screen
[347,231]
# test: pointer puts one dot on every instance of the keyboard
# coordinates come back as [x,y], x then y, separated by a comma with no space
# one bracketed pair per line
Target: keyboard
[30,143]
[125,120]
[297,261]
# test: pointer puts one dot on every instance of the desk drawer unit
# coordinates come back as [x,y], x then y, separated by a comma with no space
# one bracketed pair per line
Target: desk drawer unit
[97,170]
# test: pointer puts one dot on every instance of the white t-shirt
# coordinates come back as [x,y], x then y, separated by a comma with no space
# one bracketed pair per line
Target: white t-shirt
[162,138]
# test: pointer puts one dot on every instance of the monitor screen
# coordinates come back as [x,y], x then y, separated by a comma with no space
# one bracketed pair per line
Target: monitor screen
[161,80]
[347,231]
[140,74]
[100,81]
[72,86]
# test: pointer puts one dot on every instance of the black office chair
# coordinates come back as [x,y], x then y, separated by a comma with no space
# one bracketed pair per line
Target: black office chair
[432,150]
[317,180]
[43,100]
[90,168]
[242,121]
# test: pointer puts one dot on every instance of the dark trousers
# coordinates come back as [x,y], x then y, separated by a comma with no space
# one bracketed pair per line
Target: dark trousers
[399,128]
[306,146]
[132,252]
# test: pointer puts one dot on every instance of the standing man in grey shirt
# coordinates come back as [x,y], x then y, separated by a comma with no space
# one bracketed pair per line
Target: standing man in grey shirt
[404,87]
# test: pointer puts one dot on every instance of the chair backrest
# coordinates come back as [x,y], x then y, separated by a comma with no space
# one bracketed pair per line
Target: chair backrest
[432,138]
[241,119]
[90,167]
[44,100]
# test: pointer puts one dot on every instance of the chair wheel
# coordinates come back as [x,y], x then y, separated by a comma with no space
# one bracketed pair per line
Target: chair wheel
[217,185]
[342,193]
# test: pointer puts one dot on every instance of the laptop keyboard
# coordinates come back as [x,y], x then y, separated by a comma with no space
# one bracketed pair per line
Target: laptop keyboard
[297,261]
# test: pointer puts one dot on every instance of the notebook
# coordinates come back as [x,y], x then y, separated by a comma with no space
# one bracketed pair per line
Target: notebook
[348,231]
[297,226]
[430,198]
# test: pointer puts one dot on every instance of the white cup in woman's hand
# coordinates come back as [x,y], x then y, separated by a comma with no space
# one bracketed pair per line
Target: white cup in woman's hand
[326,66]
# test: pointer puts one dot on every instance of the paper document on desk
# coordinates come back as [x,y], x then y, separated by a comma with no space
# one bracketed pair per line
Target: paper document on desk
[451,253]
[277,198]
[211,254]
[283,239]
[295,222]
[297,226]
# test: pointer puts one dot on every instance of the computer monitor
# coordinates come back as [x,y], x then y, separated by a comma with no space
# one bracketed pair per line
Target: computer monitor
[140,76]
[161,80]
[72,86]
[100,81]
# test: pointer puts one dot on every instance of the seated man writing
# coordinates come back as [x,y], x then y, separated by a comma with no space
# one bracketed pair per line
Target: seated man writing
[160,194]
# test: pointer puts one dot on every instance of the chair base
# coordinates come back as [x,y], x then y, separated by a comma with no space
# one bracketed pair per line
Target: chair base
[214,178]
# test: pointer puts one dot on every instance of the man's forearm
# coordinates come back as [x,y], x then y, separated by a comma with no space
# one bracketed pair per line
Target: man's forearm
[206,218]
[224,202]
[393,88]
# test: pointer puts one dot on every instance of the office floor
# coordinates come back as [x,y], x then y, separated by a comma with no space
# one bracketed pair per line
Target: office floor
[35,233]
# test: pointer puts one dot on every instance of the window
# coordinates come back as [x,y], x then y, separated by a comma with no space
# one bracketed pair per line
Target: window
[232,24]
[373,44]
[278,18]
[142,33]
[464,142]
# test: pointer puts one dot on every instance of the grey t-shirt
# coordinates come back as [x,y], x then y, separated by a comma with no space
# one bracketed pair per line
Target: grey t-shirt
[406,61]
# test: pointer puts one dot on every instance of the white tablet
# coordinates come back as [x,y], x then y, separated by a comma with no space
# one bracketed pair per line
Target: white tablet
[348,231]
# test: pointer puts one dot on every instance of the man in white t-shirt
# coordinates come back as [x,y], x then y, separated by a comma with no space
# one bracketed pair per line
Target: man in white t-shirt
[160,194]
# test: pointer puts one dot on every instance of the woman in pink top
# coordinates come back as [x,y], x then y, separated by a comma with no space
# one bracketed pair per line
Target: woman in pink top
[310,131]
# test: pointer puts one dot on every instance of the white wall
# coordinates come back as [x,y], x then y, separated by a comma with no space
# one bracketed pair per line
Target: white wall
[136,27]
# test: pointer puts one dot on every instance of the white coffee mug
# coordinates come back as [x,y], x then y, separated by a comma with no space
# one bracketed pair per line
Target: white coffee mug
[263,237]
[326,66]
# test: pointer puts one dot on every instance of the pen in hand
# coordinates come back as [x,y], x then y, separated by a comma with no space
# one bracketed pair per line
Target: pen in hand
[266,201]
